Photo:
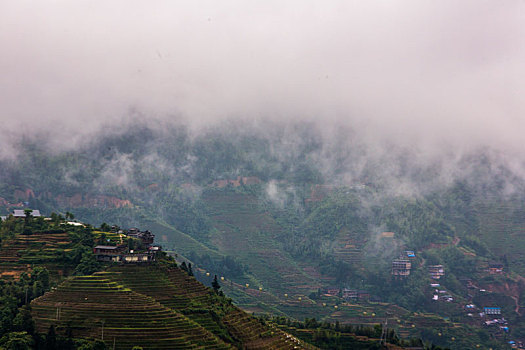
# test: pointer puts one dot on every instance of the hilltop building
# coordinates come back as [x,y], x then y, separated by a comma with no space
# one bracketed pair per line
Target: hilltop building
[108,252]
[401,267]
[20,214]
[146,237]
[123,254]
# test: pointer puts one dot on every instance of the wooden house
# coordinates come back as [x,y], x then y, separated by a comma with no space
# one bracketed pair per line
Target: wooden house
[496,268]
[401,267]
[108,252]
[436,271]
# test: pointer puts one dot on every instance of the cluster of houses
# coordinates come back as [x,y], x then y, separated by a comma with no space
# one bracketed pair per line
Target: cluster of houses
[122,254]
[402,266]
[516,344]
[491,316]
[440,294]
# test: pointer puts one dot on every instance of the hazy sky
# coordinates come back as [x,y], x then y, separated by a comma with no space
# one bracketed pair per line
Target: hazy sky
[436,71]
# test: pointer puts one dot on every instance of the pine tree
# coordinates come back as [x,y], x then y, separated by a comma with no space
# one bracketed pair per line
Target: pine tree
[51,339]
[215,284]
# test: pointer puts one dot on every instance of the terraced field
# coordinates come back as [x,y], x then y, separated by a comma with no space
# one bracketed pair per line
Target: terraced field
[174,289]
[502,228]
[348,247]
[18,254]
[170,286]
[346,340]
[246,231]
[94,307]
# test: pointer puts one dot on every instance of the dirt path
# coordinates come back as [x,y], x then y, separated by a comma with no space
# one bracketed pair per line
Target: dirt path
[516,300]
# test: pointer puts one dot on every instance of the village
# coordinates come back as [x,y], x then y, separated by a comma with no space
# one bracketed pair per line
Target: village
[144,252]
[138,247]
[134,246]
[489,315]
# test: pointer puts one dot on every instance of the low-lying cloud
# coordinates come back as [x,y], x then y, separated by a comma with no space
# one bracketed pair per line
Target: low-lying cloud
[430,76]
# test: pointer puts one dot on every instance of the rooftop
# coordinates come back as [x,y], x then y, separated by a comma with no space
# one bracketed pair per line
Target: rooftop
[20,213]
[109,247]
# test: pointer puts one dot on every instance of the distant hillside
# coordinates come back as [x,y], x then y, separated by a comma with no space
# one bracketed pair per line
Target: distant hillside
[155,305]
[285,215]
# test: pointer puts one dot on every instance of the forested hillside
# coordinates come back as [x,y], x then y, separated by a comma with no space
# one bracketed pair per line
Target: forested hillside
[284,214]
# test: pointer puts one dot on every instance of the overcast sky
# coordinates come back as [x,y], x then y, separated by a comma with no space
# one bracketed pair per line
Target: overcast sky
[439,72]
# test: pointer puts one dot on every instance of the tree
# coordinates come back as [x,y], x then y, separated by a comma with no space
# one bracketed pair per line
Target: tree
[41,274]
[215,285]
[27,222]
[88,264]
[96,345]
[28,212]
[24,321]
[99,345]
[190,271]
[16,341]
[51,339]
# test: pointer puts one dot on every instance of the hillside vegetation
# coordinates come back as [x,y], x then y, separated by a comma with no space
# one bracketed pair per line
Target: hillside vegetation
[286,214]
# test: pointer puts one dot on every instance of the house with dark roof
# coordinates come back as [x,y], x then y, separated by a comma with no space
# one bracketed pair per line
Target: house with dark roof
[122,254]
[108,252]
[146,237]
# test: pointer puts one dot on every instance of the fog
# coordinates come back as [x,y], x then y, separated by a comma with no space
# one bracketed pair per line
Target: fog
[436,77]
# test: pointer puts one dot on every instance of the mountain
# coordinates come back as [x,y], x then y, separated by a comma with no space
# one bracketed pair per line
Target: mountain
[85,303]
[286,214]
